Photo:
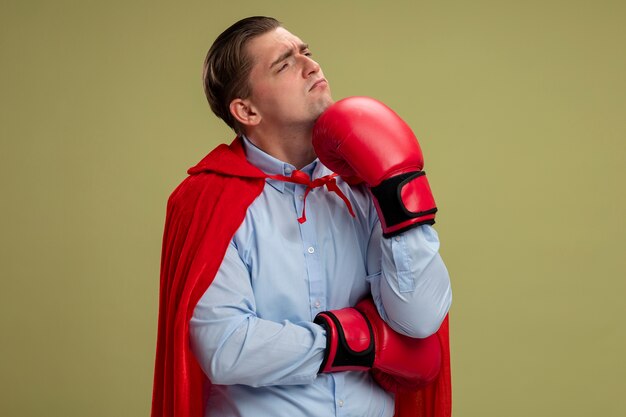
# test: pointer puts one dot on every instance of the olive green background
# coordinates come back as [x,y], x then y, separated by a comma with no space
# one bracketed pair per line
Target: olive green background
[520,109]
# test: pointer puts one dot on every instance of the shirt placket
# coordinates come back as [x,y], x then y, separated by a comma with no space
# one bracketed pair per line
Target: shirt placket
[317,283]
[310,248]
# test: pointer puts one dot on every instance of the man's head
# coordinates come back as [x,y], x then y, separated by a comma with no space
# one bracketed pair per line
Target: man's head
[257,72]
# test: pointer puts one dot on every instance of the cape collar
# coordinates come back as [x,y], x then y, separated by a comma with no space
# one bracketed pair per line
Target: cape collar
[229,160]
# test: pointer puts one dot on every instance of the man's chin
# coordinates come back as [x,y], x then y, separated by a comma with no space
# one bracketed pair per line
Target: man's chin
[323,105]
[328,103]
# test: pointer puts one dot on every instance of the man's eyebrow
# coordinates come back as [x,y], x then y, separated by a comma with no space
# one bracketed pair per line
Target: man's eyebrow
[287,54]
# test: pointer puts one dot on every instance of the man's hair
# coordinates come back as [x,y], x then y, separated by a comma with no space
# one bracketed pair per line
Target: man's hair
[227,66]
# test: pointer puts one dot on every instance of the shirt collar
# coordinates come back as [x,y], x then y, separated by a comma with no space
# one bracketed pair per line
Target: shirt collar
[273,166]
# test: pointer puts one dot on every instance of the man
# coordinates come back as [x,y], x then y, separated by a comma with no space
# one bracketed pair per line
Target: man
[268,309]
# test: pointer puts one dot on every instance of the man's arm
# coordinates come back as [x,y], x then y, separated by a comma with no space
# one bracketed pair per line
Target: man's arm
[362,139]
[409,281]
[234,346]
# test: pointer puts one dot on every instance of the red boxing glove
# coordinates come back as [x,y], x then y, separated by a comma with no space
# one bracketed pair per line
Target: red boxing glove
[357,339]
[361,138]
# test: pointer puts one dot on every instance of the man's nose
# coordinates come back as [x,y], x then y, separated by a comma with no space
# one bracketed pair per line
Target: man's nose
[310,66]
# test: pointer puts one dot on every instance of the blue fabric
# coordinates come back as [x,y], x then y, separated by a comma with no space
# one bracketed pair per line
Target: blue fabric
[252,330]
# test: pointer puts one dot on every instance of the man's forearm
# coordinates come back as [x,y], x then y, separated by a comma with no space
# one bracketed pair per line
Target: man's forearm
[234,346]
[414,293]
[259,352]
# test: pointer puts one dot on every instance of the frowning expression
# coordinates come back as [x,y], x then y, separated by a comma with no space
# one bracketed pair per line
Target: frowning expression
[288,86]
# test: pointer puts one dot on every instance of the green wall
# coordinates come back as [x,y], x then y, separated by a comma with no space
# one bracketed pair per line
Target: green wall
[520,108]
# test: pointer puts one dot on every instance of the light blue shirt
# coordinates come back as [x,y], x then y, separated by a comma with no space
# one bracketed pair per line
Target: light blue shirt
[252,331]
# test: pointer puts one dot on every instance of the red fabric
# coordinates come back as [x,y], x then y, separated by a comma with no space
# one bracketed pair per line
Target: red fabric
[329,181]
[203,214]
[434,400]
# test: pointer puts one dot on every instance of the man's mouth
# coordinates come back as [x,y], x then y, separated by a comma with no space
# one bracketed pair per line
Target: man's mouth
[318,83]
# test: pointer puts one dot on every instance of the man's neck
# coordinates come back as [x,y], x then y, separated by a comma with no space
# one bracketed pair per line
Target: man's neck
[294,148]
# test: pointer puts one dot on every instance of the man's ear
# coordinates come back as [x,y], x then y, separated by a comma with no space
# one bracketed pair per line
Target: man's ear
[244,112]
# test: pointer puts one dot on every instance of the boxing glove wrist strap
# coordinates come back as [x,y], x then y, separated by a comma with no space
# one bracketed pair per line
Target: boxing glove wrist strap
[349,340]
[404,201]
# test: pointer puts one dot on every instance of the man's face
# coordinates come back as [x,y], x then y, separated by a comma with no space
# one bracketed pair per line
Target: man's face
[288,87]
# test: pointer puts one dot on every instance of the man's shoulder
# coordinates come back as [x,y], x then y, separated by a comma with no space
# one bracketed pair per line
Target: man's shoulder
[208,187]
[223,166]
[202,191]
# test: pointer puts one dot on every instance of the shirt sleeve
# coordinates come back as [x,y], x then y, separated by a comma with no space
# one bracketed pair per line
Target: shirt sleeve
[234,346]
[409,281]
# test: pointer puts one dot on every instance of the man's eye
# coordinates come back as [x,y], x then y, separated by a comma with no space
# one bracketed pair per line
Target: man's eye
[307,53]
[282,67]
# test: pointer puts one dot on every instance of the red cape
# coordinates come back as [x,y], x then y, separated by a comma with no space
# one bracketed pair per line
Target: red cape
[203,214]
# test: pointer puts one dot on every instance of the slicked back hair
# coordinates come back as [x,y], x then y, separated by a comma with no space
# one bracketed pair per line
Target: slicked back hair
[226,70]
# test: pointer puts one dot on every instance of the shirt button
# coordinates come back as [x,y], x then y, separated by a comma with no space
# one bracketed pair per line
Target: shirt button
[397,238]
[340,403]
[288,171]
[317,304]
[311,249]
[301,197]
